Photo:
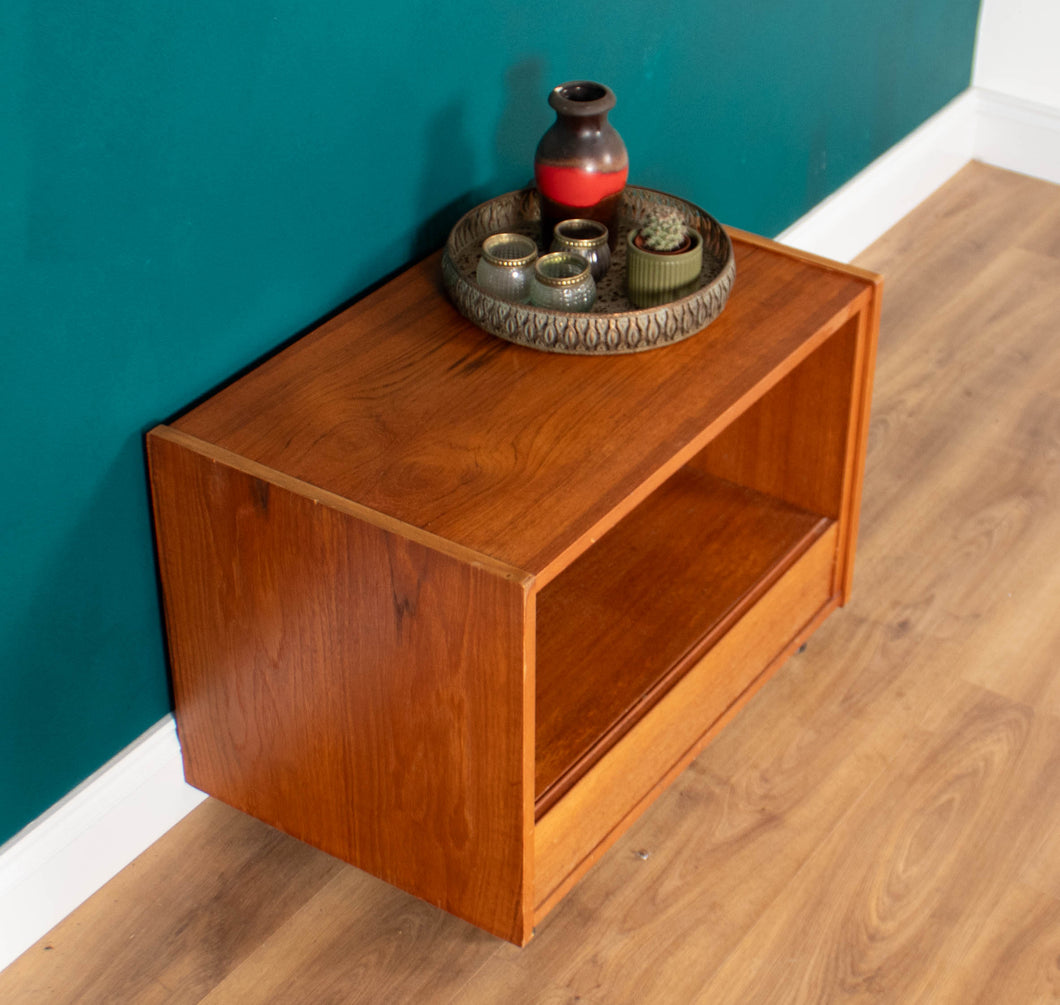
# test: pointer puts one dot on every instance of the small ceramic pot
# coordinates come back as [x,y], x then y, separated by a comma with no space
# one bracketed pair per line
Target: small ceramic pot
[657,277]
[506,266]
[562,281]
[587,238]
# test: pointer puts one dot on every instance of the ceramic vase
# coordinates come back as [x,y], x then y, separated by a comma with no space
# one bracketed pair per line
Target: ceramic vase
[581,164]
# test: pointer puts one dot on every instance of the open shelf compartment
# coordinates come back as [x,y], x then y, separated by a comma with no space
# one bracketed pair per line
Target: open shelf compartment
[632,614]
[629,617]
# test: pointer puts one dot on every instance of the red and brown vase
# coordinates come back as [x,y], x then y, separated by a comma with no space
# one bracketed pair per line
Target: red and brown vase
[581,164]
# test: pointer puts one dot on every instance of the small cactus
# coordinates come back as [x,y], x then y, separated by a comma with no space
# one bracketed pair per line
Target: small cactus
[663,230]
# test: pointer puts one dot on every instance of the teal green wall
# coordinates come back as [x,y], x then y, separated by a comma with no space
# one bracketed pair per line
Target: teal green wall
[184,185]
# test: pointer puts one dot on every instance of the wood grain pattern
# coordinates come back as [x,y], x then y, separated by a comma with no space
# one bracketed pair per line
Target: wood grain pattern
[898,778]
[357,690]
[356,942]
[615,791]
[641,607]
[900,861]
[219,883]
[1016,956]
[858,440]
[728,838]
[793,442]
[384,405]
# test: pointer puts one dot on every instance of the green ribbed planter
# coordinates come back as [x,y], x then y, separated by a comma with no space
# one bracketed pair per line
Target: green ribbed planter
[653,278]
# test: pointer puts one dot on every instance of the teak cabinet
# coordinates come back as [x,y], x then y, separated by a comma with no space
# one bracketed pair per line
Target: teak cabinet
[457,611]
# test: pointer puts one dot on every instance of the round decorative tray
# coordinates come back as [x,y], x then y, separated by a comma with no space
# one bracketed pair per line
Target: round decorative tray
[613,325]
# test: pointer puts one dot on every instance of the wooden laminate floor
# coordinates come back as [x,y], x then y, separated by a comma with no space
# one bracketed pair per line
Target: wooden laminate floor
[882,823]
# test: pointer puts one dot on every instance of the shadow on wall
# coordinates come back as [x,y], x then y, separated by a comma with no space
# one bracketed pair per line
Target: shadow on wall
[450,158]
[524,120]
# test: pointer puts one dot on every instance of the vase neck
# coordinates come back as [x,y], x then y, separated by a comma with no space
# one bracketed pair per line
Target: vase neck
[583,99]
[584,124]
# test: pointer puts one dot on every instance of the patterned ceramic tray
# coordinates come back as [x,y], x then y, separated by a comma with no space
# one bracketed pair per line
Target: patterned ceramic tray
[614,325]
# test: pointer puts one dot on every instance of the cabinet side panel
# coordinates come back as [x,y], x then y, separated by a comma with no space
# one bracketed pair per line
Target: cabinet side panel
[793,442]
[358,690]
[865,370]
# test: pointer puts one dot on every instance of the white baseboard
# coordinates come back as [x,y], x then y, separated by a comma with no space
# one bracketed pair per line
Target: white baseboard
[978,125]
[62,858]
[1018,135]
[875,199]
[57,862]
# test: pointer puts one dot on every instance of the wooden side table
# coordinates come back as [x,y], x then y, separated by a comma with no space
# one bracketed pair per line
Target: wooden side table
[457,611]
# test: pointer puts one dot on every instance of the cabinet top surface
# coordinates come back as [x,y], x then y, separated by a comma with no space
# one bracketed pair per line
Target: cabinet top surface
[401,405]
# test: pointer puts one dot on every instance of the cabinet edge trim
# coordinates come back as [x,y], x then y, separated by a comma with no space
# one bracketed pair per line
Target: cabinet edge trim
[336,502]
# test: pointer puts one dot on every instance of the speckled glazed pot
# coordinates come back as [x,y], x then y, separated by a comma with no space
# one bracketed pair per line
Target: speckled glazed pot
[581,164]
